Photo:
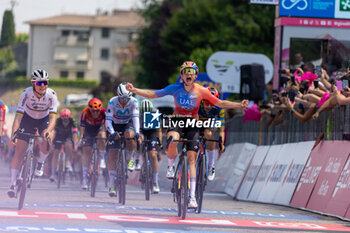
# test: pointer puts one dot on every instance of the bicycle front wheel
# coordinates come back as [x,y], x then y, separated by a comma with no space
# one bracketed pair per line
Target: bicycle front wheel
[147,177]
[122,177]
[200,182]
[184,188]
[60,170]
[94,173]
[24,177]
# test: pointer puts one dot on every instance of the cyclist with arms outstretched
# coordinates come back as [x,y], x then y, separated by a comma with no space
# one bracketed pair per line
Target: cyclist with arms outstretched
[209,111]
[187,96]
[122,118]
[36,110]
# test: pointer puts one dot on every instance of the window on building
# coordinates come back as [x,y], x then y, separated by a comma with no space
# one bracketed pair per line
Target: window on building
[104,54]
[65,32]
[105,32]
[64,74]
[80,75]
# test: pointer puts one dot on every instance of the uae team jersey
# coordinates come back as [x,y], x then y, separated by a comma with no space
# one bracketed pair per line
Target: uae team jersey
[37,108]
[187,103]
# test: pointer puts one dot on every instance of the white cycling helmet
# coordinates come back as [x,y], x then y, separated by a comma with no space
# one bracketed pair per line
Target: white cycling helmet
[39,75]
[146,106]
[121,90]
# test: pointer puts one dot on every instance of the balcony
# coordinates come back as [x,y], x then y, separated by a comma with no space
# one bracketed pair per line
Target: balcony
[74,41]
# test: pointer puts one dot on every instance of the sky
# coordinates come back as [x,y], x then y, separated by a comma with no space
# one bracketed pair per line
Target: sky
[26,10]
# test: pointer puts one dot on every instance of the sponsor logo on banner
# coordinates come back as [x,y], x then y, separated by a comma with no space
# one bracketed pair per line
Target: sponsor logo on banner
[294,173]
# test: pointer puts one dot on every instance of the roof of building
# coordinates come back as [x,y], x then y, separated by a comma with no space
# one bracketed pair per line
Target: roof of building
[119,19]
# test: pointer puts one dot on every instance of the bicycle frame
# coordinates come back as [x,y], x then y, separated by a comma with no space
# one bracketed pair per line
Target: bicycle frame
[61,165]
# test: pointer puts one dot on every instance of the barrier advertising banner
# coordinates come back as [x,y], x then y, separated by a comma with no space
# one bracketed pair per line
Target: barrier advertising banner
[281,163]
[340,201]
[265,172]
[296,162]
[238,169]
[224,166]
[252,172]
[309,176]
[336,153]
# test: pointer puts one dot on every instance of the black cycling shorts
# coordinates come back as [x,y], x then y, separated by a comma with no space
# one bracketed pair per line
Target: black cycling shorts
[90,133]
[29,125]
[151,135]
[121,129]
[59,141]
[188,133]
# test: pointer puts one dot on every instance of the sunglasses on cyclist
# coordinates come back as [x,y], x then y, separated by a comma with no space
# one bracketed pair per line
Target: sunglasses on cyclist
[189,70]
[39,83]
[124,98]
[95,111]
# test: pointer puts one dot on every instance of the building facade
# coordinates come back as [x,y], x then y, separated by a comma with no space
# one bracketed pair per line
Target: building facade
[81,46]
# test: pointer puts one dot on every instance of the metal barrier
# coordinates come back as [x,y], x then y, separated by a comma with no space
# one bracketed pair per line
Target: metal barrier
[335,124]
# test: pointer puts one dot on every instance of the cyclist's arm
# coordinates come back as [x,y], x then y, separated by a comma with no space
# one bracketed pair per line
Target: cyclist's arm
[135,117]
[16,123]
[52,122]
[109,117]
[228,104]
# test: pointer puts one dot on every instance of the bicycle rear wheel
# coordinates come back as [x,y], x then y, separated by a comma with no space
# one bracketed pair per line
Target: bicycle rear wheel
[200,182]
[94,173]
[24,177]
[147,177]
[184,188]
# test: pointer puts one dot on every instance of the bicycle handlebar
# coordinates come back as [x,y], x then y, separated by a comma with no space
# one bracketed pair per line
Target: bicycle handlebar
[201,139]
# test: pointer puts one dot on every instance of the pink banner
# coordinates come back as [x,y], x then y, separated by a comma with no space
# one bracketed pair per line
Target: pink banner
[312,22]
[336,153]
[340,201]
[309,176]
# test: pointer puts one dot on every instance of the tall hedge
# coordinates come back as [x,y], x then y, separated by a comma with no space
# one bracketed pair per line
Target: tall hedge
[8,29]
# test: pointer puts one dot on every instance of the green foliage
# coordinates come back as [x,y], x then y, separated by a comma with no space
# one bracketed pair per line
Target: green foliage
[8,29]
[194,29]
[24,82]
[7,60]
[21,38]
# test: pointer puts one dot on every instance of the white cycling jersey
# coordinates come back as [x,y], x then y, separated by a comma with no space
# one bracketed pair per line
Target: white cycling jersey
[119,115]
[37,108]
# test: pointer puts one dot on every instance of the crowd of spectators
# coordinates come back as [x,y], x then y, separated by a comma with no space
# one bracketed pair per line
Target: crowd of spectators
[305,92]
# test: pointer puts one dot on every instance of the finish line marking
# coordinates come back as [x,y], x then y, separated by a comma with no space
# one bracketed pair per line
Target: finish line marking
[170,220]
[173,210]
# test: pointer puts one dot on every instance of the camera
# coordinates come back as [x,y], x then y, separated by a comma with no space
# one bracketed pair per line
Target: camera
[316,84]
[284,94]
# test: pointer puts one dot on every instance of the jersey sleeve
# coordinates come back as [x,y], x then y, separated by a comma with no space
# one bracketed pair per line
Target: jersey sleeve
[83,118]
[22,103]
[54,104]
[2,112]
[168,90]
[208,96]
[109,117]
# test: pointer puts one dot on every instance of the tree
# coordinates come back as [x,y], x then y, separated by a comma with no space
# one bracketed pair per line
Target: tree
[7,30]
[7,61]
[152,60]
[21,38]
[218,25]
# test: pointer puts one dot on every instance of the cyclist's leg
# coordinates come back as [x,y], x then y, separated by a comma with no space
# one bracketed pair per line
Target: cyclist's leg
[68,148]
[41,124]
[153,155]
[211,152]
[113,152]
[101,144]
[86,158]
[172,151]
[132,154]
[192,149]
[54,160]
